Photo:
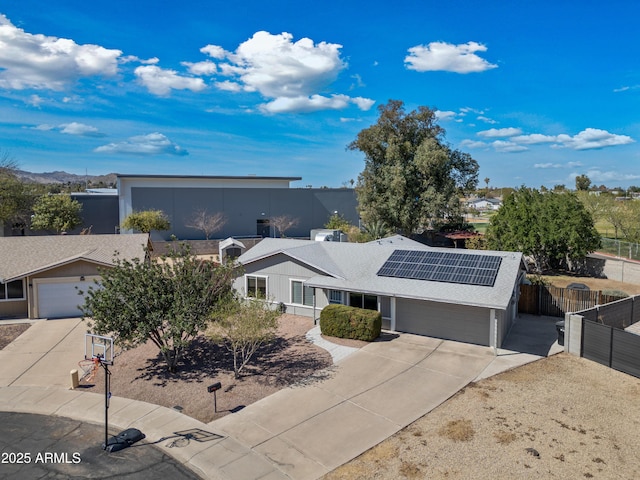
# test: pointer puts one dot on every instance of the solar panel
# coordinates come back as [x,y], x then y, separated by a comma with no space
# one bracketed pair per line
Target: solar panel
[450,267]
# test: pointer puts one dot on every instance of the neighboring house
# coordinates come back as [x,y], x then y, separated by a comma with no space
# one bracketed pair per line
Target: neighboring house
[463,295]
[484,204]
[248,203]
[39,275]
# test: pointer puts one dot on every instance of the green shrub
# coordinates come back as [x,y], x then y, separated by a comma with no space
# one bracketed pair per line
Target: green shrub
[350,322]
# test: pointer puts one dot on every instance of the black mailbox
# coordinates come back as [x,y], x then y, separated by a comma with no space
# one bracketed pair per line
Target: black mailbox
[215,387]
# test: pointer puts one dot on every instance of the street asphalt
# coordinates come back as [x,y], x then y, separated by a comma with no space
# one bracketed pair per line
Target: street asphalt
[51,447]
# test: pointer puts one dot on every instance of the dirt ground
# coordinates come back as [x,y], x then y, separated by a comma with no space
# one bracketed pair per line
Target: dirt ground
[8,333]
[561,417]
[562,281]
[141,374]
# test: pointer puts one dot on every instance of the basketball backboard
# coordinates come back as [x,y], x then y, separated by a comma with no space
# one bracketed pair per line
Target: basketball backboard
[98,346]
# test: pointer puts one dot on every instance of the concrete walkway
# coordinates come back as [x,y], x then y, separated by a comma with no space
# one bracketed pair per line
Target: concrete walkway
[301,432]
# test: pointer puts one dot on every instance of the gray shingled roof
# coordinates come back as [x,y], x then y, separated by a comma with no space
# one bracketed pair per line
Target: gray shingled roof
[22,256]
[353,267]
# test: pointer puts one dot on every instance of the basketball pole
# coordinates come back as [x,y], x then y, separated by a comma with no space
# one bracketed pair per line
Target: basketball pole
[107,393]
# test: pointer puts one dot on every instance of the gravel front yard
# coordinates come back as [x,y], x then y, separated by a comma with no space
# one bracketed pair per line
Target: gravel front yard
[562,417]
[140,373]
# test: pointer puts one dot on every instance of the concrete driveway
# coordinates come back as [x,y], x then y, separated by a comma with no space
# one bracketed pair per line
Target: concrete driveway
[309,430]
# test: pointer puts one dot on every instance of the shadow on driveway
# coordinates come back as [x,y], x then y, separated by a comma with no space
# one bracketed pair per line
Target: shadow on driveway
[535,335]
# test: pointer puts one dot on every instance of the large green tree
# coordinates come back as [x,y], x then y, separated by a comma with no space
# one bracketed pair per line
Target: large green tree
[56,212]
[146,220]
[168,301]
[412,178]
[553,229]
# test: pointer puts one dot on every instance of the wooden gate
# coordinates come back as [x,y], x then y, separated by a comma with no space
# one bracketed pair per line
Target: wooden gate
[556,301]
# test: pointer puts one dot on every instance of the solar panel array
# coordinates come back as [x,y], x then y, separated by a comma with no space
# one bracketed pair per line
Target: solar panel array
[461,268]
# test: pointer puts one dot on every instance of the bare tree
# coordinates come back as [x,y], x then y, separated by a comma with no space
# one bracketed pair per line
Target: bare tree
[206,222]
[283,223]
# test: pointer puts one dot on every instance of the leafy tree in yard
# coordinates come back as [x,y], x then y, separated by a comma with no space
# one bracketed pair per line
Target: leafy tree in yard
[146,220]
[376,230]
[411,176]
[56,212]
[338,222]
[243,326]
[168,301]
[205,222]
[554,229]
[15,198]
[582,183]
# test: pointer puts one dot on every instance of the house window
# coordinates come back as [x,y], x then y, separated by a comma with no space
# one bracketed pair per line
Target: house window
[256,286]
[360,300]
[301,294]
[335,296]
[12,290]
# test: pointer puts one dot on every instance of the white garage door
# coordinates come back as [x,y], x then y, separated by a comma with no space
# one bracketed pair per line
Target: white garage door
[60,299]
[442,320]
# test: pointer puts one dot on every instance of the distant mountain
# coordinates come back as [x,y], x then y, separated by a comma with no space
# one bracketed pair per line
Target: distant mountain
[64,177]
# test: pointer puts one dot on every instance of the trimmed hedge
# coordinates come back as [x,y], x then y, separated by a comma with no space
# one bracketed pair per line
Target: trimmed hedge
[350,322]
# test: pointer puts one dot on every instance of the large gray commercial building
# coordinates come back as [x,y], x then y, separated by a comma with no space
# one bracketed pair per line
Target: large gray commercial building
[248,203]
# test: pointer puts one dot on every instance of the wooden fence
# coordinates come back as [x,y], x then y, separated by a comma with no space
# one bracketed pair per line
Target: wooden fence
[555,301]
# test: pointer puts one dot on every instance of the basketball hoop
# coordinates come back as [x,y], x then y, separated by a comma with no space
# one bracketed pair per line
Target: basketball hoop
[89,368]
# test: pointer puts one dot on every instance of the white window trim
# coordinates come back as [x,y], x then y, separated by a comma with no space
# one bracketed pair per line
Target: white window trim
[21,299]
[291,302]
[246,284]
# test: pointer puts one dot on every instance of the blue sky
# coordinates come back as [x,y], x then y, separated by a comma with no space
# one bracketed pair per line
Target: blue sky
[536,91]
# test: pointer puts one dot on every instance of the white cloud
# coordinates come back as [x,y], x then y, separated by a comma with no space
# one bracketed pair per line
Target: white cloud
[358,83]
[507,147]
[133,58]
[626,88]
[445,115]
[45,127]
[441,56]
[547,165]
[201,68]
[75,128]
[472,144]
[484,119]
[214,51]
[500,132]
[291,75]
[161,81]
[314,103]
[599,176]
[34,100]
[592,138]
[363,104]
[534,139]
[151,144]
[589,138]
[42,62]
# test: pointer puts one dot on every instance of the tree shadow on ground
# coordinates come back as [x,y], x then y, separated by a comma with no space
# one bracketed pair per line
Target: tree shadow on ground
[276,363]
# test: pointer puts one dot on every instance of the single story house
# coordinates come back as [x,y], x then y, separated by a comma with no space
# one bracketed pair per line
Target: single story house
[464,295]
[483,204]
[39,275]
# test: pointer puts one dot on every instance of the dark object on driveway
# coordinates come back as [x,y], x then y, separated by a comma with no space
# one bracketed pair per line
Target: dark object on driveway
[560,330]
[124,439]
[578,286]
